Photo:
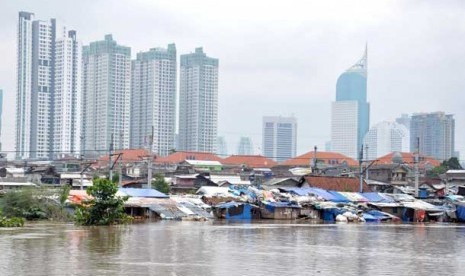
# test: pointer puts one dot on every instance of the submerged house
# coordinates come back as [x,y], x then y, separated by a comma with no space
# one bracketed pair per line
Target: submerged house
[141,201]
[279,210]
[405,206]
[236,210]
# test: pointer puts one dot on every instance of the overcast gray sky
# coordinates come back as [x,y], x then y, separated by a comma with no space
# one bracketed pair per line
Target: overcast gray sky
[279,57]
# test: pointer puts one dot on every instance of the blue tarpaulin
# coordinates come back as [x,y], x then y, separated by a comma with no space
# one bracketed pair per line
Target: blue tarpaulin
[460,211]
[370,218]
[338,197]
[326,195]
[376,197]
[329,214]
[232,209]
[135,192]
[379,215]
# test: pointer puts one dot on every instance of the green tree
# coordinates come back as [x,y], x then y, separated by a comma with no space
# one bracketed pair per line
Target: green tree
[453,164]
[160,184]
[105,208]
[36,204]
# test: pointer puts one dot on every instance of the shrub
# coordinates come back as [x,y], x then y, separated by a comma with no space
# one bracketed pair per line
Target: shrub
[105,208]
[160,184]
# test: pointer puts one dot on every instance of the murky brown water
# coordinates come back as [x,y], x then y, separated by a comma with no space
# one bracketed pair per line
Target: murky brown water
[218,248]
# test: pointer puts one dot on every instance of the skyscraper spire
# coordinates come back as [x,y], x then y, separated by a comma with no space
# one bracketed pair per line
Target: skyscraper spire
[361,65]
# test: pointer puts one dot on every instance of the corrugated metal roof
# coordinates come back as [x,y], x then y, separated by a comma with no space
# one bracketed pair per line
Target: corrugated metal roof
[354,197]
[135,192]
[377,197]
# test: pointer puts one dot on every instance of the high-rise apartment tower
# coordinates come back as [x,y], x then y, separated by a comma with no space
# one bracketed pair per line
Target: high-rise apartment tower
[198,102]
[106,86]
[153,100]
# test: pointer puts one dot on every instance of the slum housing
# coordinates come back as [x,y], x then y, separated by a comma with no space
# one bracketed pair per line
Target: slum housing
[205,186]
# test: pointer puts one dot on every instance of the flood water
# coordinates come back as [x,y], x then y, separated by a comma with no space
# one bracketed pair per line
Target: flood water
[221,248]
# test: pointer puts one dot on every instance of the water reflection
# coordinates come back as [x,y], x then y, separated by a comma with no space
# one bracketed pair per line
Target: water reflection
[221,248]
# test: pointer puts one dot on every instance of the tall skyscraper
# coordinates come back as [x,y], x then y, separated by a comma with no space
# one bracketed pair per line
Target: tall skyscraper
[106,79]
[279,137]
[35,74]
[386,137]
[153,99]
[350,113]
[245,146]
[435,132]
[198,102]
[67,102]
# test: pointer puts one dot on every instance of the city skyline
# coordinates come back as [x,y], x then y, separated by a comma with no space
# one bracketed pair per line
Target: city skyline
[281,90]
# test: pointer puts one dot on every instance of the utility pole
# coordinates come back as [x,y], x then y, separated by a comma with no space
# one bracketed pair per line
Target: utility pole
[82,162]
[360,175]
[149,163]
[82,172]
[110,161]
[120,181]
[366,158]
[416,159]
[314,160]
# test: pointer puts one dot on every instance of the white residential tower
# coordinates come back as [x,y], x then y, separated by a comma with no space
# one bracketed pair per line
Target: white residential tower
[106,78]
[153,100]
[198,102]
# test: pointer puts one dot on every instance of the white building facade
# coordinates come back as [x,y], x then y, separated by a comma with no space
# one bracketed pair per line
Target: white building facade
[386,137]
[67,102]
[153,100]
[198,102]
[344,126]
[106,87]
[279,137]
[34,86]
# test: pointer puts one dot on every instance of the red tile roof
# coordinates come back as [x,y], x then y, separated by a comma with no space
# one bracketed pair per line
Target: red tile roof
[329,158]
[128,156]
[408,158]
[251,161]
[341,184]
[181,156]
